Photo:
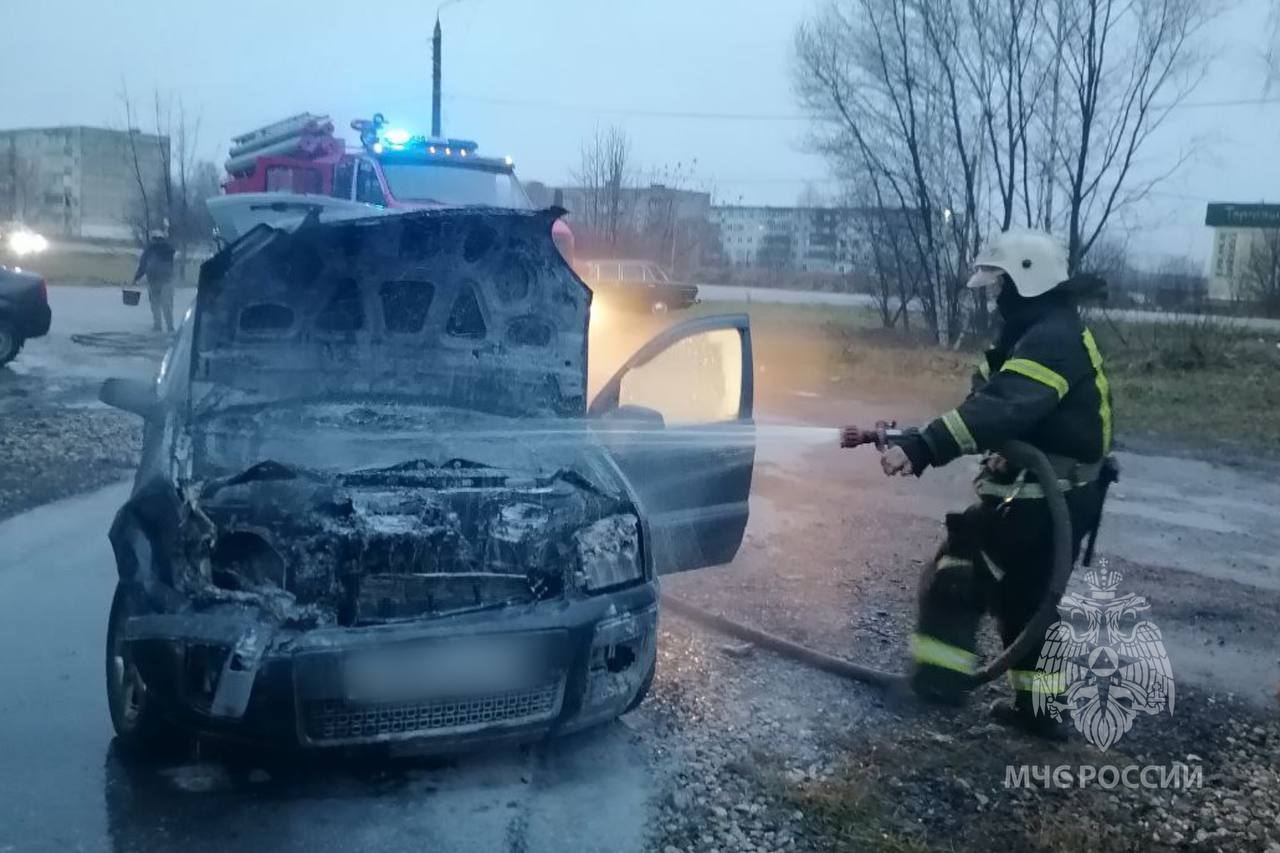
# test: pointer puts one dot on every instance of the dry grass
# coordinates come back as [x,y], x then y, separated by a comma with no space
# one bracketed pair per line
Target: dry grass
[849,814]
[821,347]
[1073,832]
[1200,382]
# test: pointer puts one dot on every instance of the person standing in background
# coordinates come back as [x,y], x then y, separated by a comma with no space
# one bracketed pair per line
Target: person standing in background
[156,264]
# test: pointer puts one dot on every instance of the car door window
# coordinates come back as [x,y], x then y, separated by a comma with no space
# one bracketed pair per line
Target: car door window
[697,380]
[677,420]
[368,190]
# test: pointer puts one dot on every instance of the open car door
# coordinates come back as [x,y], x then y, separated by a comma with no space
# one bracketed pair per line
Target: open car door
[677,419]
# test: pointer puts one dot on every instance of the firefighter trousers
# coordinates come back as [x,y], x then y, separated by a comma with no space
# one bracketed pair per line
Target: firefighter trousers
[997,558]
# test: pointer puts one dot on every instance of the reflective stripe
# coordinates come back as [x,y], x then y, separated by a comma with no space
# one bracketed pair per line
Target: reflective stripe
[1104,390]
[992,566]
[1026,680]
[984,369]
[946,561]
[932,651]
[1037,371]
[960,432]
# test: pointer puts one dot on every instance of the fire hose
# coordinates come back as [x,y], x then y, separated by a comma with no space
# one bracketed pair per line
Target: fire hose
[1019,454]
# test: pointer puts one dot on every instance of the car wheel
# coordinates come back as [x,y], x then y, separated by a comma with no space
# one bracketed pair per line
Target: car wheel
[10,341]
[138,722]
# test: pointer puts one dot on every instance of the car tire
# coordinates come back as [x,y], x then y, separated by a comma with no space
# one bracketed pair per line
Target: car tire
[10,341]
[140,726]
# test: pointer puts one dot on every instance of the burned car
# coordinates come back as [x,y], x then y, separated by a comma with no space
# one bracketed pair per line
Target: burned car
[375,506]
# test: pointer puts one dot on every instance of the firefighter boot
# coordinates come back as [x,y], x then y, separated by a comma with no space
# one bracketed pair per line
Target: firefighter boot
[1020,714]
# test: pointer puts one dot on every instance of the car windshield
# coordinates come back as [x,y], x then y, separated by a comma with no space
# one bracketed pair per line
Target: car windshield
[454,185]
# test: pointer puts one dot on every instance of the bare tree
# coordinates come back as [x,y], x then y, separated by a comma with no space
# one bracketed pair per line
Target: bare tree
[891,110]
[1126,64]
[1260,282]
[171,182]
[1109,258]
[1271,55]
[145,194]
[668,236]
[605,177]
[164,154]
[187,224]
[967,116]
[204,181]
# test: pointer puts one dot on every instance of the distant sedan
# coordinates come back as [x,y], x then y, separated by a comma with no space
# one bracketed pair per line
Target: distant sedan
[636,285]
[24,311]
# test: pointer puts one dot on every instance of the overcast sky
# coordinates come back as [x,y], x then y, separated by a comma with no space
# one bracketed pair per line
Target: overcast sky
[531,78]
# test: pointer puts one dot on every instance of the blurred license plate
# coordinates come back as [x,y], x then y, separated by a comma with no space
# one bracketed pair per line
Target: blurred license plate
[470,667]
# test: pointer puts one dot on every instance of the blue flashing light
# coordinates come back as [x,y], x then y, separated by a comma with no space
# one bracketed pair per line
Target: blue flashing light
[396,136]
[380,138]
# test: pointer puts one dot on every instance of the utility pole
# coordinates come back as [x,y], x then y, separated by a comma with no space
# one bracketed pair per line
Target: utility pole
[435,79]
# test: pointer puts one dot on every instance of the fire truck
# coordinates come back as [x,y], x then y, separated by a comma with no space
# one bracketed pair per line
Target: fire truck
[293,167]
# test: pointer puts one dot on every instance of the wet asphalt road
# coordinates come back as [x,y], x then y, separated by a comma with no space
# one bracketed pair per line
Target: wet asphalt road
[119,343]
[64,786]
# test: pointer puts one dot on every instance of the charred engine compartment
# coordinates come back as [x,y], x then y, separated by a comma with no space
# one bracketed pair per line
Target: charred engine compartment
[357,550]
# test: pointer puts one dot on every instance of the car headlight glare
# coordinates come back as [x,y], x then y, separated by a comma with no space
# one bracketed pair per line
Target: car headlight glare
[27,243]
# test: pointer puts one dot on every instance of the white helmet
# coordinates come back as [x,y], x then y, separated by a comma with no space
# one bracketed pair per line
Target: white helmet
[1034,260]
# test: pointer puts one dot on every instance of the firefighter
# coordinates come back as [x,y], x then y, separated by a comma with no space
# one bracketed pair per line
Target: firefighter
[156,264]
[1043,383]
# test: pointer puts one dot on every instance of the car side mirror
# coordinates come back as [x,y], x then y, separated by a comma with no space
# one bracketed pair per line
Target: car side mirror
[131,395]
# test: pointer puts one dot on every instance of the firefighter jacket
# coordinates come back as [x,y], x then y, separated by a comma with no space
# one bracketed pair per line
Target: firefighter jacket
[1042,383]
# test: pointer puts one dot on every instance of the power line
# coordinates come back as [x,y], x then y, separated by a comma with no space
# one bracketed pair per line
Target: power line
[1234,102]
[629,112]
[699,115]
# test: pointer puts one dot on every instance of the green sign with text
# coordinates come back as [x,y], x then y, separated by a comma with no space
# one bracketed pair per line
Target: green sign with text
[1243,215]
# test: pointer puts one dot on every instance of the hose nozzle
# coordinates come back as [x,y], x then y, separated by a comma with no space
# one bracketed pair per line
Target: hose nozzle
[885,434]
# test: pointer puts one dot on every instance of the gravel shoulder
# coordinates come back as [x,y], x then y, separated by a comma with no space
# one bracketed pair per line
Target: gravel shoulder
[50,451]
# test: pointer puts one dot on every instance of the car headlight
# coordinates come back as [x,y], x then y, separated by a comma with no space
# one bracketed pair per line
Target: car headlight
[609,552]
[26,242]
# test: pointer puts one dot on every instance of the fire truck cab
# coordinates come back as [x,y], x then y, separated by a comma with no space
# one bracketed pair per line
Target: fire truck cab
[290,166]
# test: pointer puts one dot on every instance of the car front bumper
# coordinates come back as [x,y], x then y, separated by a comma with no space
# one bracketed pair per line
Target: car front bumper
[226,674]
[36,320]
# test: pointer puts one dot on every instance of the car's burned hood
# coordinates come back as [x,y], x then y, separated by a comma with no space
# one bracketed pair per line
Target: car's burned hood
[420,538]
[471,309]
